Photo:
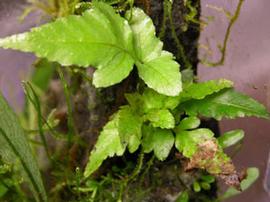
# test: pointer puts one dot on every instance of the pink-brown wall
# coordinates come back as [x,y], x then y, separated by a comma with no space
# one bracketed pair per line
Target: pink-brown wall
[248,65]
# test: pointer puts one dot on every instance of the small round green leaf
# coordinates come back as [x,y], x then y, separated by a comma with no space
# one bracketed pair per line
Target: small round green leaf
[230,138]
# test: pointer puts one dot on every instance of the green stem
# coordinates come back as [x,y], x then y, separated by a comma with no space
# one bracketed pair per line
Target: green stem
[181,51]
[138,167]
[78,180]
[164,20]
[148,166]
[121,191]
[36,103]
[71,128]
[223,49]
[131,177]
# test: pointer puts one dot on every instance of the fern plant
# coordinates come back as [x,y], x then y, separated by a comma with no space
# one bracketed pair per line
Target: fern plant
[162,115]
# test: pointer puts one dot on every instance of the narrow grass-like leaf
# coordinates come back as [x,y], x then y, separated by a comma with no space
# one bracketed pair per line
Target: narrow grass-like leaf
[33,98]
[15,146]
[67,93]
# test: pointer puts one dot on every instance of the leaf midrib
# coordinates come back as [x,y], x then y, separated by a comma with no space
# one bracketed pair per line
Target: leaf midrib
[156,70]
[91,42]
[24,164]
[236,106]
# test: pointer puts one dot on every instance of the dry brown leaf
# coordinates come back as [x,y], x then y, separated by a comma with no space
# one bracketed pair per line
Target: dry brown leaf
[212,159]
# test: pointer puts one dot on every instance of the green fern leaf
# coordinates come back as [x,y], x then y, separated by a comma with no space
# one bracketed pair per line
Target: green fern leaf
[130,124]
[162,118]
[156,67]
[158,140]
[103,39]
[226,103]
[199,91]
[203,152]
[153,100]
[108,145]
[124,130]
[100,38]
[187,141]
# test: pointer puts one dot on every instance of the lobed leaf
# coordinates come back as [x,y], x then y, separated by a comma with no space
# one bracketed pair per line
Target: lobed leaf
[187,142]
[105,40]
[135,102]
[129,125]
[156,67]
[108,145]
[100,38]
[203,151]
[161,118]
[15,147]
[200,90]
[124,130]
[226,103]
[158,140]
[115,71]
[153,100]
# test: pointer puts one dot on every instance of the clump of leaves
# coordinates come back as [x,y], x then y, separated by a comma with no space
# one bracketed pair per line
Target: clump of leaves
[163,115]
[109,43]
[150,119]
